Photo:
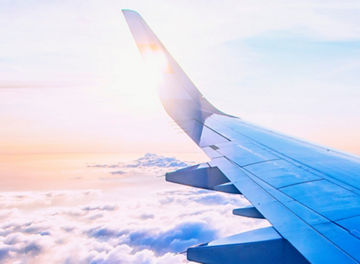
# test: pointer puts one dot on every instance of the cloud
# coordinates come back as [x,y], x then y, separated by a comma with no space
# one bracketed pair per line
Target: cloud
[176,239]
[123,254]
[154,160]
[119,172]
[100,208]
[146,216]
[110,166]
[94,226]
[153,163]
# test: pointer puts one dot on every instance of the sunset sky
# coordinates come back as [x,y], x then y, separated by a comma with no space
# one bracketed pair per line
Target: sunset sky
[85,142]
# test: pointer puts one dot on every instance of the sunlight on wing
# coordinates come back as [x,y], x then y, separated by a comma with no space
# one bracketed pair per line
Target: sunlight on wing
[156,63]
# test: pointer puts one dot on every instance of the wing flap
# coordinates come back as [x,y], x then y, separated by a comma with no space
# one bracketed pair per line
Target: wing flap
[202,176]
[247,247]
[227,188]
[250,211]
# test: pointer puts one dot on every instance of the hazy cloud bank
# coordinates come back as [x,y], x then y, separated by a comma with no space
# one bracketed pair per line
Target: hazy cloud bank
[101,227]
[148,222]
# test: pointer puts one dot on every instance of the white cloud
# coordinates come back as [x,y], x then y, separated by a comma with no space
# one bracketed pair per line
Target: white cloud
[154,160]
[109,227]
[150,163]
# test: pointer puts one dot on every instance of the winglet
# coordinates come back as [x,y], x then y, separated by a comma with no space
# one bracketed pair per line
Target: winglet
[140,30]
[179,96]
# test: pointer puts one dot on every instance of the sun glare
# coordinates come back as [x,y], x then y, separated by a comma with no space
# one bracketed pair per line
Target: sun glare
[134,77]
[156,64]
[140,78]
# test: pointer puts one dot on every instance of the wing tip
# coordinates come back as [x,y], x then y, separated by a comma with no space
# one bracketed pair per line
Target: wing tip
[127,11]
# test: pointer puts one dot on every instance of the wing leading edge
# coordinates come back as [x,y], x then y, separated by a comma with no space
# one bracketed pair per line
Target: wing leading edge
[310,194]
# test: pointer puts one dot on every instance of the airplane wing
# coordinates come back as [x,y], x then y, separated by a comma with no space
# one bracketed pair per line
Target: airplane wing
[310,194]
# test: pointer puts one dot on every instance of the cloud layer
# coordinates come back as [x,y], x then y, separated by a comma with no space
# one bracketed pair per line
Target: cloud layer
[128,224]
[100,227]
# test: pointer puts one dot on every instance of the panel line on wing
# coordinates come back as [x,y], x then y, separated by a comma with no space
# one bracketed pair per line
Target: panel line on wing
[296,162]
[343,184]
[258,162]
[213,131]
[344,245]
[264,205]
[341,231]
[289,185]
[281,189]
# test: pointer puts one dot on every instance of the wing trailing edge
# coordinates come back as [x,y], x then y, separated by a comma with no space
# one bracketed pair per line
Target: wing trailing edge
[250,211]
[262,245]
[202,176]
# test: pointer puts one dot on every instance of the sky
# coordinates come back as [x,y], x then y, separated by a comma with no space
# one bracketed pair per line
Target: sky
[72,79]
[84,141]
